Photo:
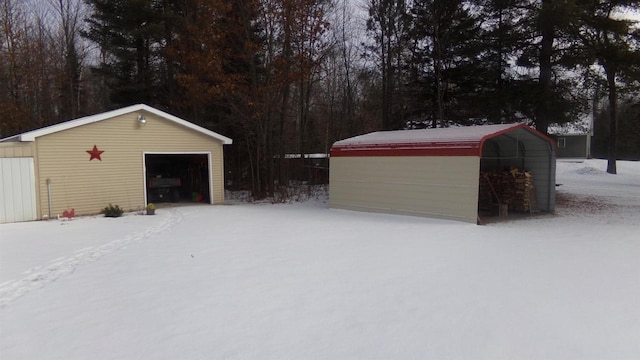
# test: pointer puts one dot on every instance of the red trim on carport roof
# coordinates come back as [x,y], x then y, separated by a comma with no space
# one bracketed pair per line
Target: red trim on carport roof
[406,150]
[521,125]
[489,136]
[471,148]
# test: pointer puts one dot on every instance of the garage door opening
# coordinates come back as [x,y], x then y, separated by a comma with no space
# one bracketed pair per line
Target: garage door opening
[177,178]
[516,175]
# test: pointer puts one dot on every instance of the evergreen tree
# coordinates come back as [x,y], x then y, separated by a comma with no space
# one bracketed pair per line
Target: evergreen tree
[549,91]
[502,39]
[614,44]
[445,36]
[132,36]
[628,127]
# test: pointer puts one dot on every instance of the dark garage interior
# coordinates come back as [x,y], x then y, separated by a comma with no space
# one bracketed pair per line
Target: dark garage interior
[177,178]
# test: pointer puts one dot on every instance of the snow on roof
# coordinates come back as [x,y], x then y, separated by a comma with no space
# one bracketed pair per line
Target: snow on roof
[306,156]
[32,135]
[441,141]
[458,134]
[581,127]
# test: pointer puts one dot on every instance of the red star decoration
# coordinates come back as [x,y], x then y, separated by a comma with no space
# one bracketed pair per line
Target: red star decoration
[95,153]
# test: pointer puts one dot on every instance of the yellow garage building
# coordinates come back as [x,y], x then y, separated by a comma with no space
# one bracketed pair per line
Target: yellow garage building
[129,157]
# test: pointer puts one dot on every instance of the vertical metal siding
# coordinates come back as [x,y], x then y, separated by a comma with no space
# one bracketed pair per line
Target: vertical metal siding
[527,151]
[17,190]
[88,186]
[442,187]
[541,161]
[576,146]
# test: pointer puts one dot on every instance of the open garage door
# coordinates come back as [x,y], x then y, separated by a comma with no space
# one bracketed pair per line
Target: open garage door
[174,177]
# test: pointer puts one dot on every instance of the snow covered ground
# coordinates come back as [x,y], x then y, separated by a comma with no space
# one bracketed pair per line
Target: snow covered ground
[301,281]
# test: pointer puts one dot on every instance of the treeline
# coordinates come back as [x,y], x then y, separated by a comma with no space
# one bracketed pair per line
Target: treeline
[545,62]
[293,76]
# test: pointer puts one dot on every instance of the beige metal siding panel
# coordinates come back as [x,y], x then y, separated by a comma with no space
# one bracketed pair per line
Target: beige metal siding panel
[88,186]
[442,187]
[218,176]
[17,149]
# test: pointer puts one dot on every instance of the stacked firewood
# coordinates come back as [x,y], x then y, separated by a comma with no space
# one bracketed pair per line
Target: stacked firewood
[512,187]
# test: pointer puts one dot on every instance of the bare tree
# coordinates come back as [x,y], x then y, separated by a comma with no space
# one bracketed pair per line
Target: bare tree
[24,69]
[41,62]
[69,16]
[388,22]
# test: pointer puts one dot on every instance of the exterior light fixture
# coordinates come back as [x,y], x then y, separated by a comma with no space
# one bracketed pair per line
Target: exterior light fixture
[142,120]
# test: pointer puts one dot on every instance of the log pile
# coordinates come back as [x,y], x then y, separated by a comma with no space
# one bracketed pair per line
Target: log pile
[512,187]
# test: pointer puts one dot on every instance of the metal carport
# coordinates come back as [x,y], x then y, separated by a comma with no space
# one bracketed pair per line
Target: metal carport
[435,172]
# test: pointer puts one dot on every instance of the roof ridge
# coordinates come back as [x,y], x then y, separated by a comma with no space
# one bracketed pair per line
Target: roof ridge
[90,119]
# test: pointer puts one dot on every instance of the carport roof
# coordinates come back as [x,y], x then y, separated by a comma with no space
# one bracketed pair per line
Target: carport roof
[458,141]
[32,135]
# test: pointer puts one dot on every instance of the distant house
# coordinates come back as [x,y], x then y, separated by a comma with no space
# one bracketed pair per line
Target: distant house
[573,145]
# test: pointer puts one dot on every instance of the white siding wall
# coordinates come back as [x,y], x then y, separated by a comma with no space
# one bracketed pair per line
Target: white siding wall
[17,190]
[442,187]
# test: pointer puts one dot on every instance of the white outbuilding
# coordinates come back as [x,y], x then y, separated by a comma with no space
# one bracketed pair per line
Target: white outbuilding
[437,172]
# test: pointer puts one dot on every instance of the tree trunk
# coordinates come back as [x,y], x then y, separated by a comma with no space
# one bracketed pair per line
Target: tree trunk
[285,91]
[611,71]
[500,68]
[437,63]
[347,101]
[544,79]
[386,79]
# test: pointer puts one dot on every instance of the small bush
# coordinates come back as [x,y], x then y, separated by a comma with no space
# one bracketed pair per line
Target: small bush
[112,211]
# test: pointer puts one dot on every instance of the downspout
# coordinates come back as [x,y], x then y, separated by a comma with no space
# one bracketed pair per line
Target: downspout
[552,184]
[49,195]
